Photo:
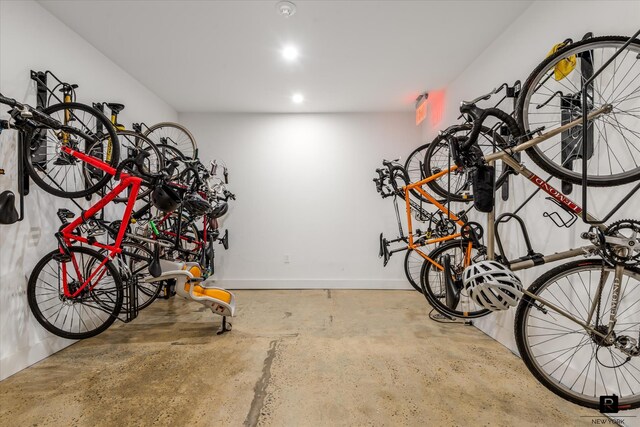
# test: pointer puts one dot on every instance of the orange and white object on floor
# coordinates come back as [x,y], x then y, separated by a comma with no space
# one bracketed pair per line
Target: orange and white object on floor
[191,285]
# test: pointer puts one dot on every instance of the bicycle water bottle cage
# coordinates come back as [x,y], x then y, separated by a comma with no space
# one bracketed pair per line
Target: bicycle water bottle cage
[8,211]
[557,219]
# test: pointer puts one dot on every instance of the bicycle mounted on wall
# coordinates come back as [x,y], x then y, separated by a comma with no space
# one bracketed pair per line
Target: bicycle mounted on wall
[562,130]
[8,212]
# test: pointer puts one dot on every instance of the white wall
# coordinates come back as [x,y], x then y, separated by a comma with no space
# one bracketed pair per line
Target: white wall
[304,189]
[32,39]
[513,56]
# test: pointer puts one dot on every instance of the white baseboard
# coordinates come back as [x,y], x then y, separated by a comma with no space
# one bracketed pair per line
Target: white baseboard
[24,358]
[311,284]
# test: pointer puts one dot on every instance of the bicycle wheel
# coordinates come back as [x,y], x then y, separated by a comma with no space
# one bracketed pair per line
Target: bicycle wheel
[412,268]
[171,154]
[456,186]
[415,168]
[62,174]
[433,281]
[613,143]
[85,315]
[565,357]
[189,241]
[131,143]
[173,135]
[398,178]
[134,263]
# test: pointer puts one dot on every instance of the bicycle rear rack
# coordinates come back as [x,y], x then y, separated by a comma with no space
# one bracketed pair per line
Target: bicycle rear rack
[585,135]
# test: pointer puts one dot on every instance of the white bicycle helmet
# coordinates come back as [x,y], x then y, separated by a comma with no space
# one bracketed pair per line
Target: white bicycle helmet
[492,285]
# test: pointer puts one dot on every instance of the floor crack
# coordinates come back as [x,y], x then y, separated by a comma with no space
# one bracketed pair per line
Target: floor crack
[260,389]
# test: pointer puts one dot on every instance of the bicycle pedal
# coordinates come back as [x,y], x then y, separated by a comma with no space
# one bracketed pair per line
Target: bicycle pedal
[95,232]
[439,316]
[64,159]
[61,257]
[65,213]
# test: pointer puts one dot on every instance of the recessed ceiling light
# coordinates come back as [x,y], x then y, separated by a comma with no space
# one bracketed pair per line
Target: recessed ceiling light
[297,98]
[290,53]
[286,8]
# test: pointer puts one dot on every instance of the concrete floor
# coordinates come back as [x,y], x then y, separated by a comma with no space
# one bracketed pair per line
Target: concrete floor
[294,358]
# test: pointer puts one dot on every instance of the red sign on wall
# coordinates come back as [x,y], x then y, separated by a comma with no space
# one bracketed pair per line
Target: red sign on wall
[421,112]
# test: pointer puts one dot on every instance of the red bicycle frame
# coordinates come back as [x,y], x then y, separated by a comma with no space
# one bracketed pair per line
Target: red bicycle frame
[198,243]
[67,233]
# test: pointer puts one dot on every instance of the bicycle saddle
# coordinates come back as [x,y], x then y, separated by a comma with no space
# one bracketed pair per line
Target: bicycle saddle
[115,108]
[8,212]
[66,87]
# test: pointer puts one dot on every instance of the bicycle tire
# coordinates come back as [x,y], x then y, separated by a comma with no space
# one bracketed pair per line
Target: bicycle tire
[415,168]
[526,306]
[111,309]
[161,133]
[154,162]
[169,154]
[33,162]
[522,115]
[413,276]
[188,250]
[435,295]
[440,142]
[395,173]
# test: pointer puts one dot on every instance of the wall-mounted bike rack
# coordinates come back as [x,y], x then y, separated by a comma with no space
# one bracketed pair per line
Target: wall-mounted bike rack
[511,91]
[572,137]
[43,95]
[585,136]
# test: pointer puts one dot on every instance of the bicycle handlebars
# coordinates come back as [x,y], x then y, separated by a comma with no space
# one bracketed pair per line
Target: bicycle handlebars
[480,116]
[28,112]
[488,95]
[141,170]
[8,101]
